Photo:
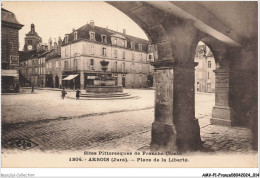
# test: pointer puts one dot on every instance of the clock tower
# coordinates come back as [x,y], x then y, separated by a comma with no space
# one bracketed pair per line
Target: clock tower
[32,40]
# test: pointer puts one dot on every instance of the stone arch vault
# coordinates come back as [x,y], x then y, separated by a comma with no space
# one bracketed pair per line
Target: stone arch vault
[174,29]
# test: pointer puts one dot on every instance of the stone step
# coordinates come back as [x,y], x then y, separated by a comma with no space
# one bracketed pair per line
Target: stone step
[104,95]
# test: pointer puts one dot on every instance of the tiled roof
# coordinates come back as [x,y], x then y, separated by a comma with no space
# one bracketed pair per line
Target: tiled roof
[83,33]
[24,56]
[53,54]
[32,33]
[9,17]
[200,48]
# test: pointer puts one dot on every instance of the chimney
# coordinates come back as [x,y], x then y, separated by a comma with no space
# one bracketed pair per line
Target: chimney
[92,23]
[124,31]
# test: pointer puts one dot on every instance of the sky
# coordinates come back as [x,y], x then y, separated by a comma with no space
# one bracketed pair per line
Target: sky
[54,19]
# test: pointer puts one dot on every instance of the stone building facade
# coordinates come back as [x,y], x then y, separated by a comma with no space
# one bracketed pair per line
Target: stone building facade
[9,51]
[129,57]
[53,65]
[32,68]
[204,71]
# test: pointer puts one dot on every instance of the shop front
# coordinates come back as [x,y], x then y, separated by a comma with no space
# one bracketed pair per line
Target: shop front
[10,81]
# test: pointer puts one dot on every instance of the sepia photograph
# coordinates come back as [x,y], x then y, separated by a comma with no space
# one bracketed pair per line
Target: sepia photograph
[129,84]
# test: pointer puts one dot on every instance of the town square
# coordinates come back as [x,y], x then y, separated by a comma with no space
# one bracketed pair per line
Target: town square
[176,80]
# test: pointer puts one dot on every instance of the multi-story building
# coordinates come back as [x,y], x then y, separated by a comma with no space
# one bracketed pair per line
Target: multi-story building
[9,51]
[32,67]
[83,49]
[204,71]
[53,65]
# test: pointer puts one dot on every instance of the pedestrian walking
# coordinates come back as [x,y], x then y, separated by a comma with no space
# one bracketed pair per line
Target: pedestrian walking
[77,94]
[32,88]
[63,93]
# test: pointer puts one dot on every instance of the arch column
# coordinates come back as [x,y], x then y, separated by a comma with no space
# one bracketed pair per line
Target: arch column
[175,126]
[222,113]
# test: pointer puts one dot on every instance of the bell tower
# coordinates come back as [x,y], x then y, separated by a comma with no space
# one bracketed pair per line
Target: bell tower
[32,39]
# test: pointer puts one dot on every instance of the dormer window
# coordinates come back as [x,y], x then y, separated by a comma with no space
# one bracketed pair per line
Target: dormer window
[104,38]
[140,47]
[125,43]
[115,41]
[66,38]
[150,48]
[92,36]
[75,35]
[132,45]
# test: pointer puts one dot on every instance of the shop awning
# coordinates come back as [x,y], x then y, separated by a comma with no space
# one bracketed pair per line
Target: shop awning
[70,77]
[9,73]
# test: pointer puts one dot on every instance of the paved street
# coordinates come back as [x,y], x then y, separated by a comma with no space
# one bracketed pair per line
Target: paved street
[56,124]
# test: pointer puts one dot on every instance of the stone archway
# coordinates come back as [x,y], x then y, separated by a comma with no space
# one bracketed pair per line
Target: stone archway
[174,40]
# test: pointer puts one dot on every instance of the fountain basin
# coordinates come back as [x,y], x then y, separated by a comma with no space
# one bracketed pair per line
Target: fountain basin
[103,89]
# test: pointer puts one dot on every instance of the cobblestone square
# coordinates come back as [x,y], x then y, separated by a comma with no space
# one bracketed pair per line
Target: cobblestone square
[56,125]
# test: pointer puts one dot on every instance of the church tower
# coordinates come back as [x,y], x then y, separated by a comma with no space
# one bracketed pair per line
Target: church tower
[32,40]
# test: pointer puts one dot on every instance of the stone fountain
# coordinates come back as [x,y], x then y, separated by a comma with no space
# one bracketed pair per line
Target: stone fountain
[104,83]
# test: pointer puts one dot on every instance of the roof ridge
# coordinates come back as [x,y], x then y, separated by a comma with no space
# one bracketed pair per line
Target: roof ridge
[107,29]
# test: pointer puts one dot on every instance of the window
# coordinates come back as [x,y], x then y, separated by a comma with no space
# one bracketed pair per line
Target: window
[66,38]
[104,52]
[65,64]
[132,45]
[115,41]
[57,64]
[104,38]
[140,47]
[208,75]
[141,57]
[92,36]
[116,65]
[123,55]
[92,62]
[92,49]
[115,53]
[76,63]
[198,86]
[14,60]
[125,43]
[133,56]
[209,64]
[123,66]
[150,48]
[75,35]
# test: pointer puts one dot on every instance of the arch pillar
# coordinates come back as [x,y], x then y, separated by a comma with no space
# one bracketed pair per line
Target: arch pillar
[222,112]
[175,127]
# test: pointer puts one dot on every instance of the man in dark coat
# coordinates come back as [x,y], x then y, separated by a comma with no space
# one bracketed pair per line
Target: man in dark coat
[63,93]
[77,94]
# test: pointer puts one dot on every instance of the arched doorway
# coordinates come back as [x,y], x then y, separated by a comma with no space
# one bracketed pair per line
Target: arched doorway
[204,84]
[57,82]
[149,81]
